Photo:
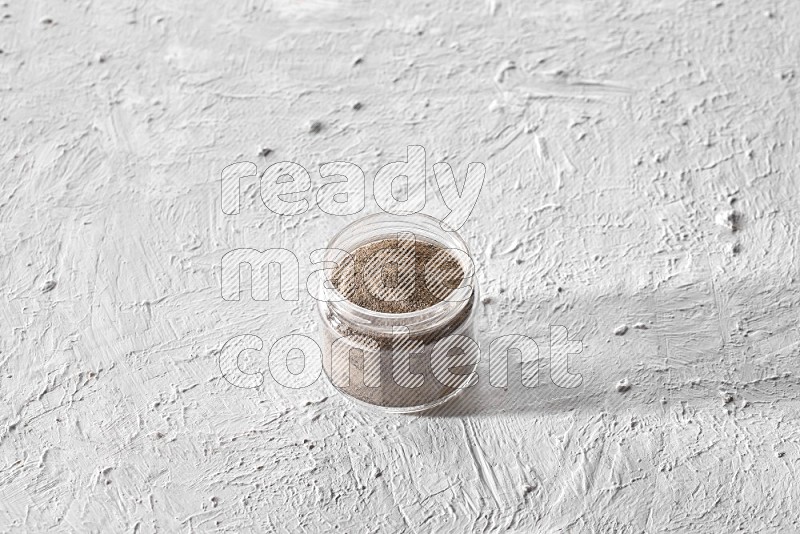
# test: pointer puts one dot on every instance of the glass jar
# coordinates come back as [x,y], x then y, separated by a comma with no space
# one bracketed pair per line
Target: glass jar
[399,362]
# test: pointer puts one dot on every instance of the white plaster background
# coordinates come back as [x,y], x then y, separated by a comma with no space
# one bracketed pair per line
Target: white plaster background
[613,148]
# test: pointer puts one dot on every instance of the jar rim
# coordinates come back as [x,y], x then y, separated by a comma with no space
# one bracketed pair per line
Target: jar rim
[421,320]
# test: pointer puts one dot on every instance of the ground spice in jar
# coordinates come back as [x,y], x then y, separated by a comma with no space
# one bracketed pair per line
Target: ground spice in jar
[353,278]
[408,277]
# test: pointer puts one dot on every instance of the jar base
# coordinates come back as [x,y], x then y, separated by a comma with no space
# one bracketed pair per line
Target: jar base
[395,409]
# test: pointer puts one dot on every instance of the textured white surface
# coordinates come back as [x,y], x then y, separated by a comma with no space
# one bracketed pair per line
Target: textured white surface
[616,136]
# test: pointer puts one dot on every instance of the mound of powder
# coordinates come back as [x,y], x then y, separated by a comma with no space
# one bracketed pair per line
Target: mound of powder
[397,276]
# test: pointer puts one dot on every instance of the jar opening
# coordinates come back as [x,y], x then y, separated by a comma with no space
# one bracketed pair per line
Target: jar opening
[363,299]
